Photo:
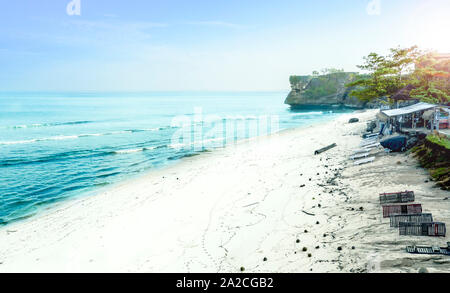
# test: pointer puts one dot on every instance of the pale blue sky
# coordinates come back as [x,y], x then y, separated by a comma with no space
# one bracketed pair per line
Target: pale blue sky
[148,45]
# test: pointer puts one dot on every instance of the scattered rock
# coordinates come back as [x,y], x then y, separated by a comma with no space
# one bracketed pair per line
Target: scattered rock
[324,235]
[423,270]
[361,208]
[265,259]
[353,120]
[317,223]
[319,205]
[339,248]
[399,163]
[242,269]
[297,241]
[317,247]
[306,231]
[353,247]
[303,185]
[309,254]
[304,249]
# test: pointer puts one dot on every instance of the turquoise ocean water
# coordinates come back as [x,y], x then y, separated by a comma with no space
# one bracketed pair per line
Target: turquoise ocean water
[55,146]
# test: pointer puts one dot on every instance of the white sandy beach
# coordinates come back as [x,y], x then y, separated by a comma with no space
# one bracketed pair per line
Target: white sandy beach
[233,207]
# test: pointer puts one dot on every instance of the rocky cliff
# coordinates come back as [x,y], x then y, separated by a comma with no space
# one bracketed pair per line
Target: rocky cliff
[323,90]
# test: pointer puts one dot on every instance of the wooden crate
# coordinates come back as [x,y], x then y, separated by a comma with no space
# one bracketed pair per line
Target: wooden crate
[405,209]
[414,218]
[422,229]
[397,197]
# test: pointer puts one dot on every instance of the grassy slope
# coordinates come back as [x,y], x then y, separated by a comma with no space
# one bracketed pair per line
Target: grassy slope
[434,154]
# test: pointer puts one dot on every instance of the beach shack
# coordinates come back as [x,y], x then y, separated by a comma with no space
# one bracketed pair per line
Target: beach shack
[410,116]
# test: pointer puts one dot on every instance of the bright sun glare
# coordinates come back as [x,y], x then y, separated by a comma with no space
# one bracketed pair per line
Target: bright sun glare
[429,27]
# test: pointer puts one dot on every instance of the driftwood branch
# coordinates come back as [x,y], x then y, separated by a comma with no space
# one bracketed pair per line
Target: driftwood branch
[325,149]
[309,214]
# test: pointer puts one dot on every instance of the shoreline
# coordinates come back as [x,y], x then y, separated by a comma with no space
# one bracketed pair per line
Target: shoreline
[268,197]
[48,208]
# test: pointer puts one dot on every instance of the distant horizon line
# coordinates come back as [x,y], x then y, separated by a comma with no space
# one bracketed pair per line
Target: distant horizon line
[137,91]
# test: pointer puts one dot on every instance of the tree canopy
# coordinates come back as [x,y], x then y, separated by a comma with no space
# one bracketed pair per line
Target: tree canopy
[431,79]
[386,75]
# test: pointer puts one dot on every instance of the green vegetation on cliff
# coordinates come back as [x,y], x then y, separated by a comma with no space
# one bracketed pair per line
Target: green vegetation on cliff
[326,89]
[422,75]
[326,85]
[433,154]
[439,140]
[297,79]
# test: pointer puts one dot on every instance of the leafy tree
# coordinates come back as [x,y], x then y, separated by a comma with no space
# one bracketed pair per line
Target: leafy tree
[387,74]
[431,79]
